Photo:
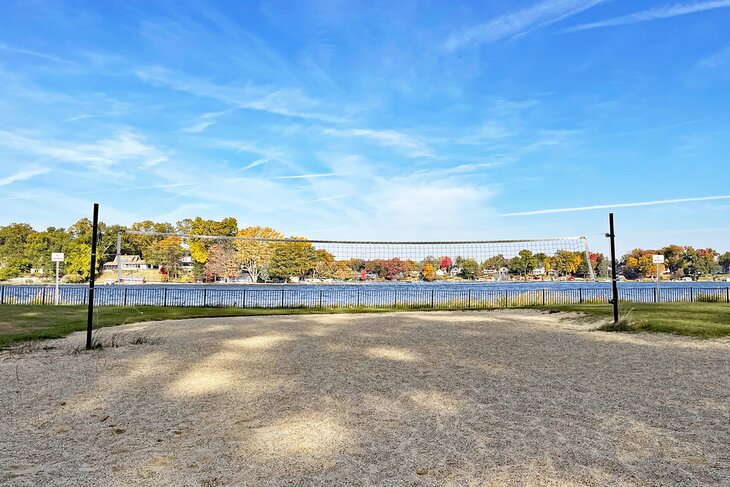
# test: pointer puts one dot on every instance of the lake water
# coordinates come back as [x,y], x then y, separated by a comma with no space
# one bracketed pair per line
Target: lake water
[371,294]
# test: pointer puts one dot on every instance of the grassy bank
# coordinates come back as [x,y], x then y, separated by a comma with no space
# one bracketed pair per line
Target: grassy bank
[705,320]
[29,322]
[34,322]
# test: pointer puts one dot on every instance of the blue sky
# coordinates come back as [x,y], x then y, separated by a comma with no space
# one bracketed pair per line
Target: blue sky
[357,120]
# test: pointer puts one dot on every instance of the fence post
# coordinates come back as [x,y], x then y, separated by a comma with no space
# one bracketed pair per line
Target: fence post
[727,295]
[320,298]
[164,297]
[205,297]
[282,297]
[432,298]
[358,298]
[580,295]
[125,296]
[43,295]
[468,305]
[395,298]
[506,299]
[2,294]
[243,305]
[691,295]
[656,298]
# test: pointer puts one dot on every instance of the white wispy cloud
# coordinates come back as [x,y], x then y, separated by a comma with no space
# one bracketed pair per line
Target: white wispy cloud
[330,198]
[617,205]
[717,59]
[489,132]
[29,52]
[655,13]
[48,195]
[199,127]
[23,175]
[306,176]
[203,122]
[509,25]
[288,102]
[100,155]
[256,163]
[76,118]
[404,143]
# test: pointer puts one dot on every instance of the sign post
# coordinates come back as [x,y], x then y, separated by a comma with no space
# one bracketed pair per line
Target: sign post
[92,275]
[57,257]
[614,278]
[658,260]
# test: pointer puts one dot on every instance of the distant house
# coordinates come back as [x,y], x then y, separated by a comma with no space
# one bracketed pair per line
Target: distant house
[244,278]
[455,271]
[441,273]
[538,271]
[186,263]
[129,263]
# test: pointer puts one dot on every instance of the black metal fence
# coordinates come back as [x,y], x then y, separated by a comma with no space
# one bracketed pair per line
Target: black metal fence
[352,297]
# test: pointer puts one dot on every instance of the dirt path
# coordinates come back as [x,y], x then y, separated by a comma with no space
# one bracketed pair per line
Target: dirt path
[440,398]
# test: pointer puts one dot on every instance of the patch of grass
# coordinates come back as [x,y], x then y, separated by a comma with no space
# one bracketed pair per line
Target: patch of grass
[708,298]
[625,323]
[19,323]
[144,339]
[704,320]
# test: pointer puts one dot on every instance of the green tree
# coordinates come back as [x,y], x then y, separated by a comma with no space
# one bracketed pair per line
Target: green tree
[77,259]
[325,266]
[583,270]
[524,263]
[603,268]
[107,244]
[81,231]
[724,262]
[141,244]
[468,267]
[700,262]
[167,253]
[674,258]
[494,263]
[228,227]
[566,262]
[254,255]
[40,245]
[14,260]
[292,259]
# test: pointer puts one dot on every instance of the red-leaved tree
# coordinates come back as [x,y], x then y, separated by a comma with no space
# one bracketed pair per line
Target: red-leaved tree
[446,263]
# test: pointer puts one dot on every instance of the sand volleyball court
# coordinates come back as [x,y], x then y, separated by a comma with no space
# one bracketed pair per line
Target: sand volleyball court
[420,398]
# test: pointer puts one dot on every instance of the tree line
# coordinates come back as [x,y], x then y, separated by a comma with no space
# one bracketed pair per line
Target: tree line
[679,261]
[27,252]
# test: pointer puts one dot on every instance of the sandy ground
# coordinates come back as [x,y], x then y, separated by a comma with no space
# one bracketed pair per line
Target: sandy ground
[455,398]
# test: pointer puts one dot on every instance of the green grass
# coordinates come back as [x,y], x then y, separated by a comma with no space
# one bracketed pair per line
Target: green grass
[705,320]
[20,323]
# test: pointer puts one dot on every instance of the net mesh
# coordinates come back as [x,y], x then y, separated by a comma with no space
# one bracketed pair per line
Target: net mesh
[357,260]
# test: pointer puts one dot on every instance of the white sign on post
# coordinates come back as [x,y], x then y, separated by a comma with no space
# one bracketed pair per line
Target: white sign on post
[658,260]
[57,257]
